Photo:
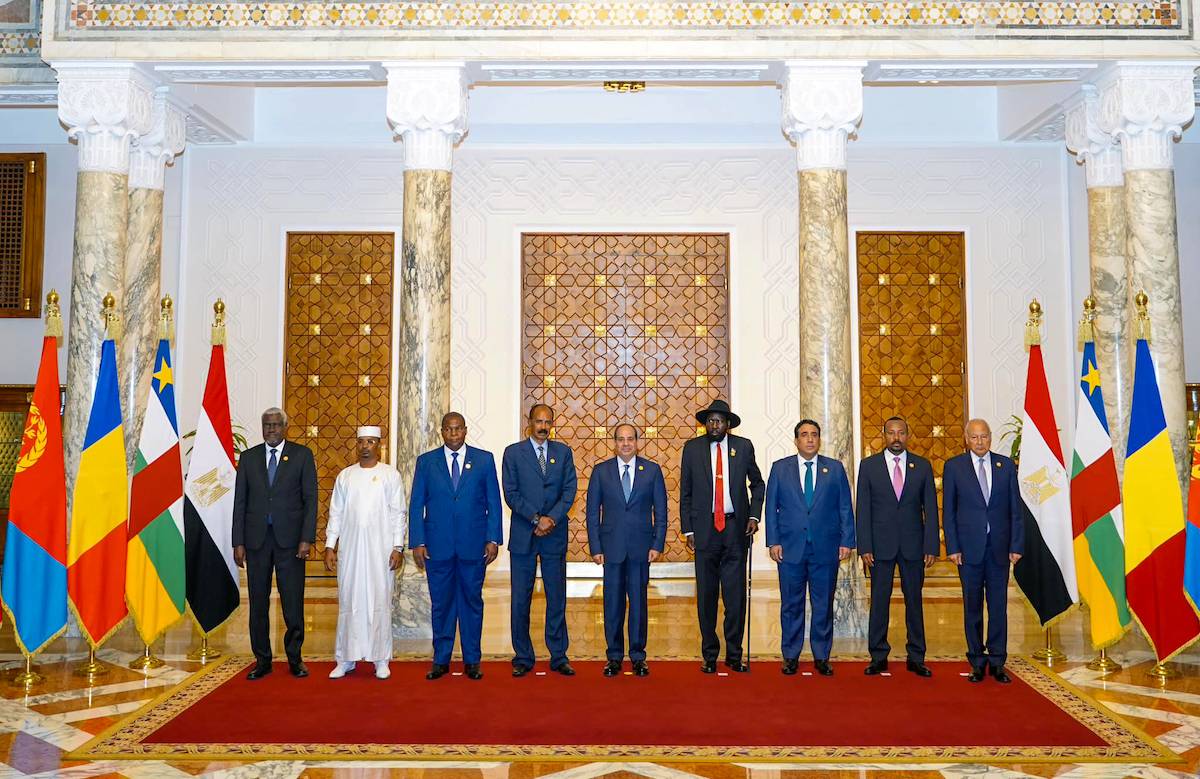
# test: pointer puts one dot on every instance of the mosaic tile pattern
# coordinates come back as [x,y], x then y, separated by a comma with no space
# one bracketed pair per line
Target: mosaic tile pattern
[1109,17]
[20,31]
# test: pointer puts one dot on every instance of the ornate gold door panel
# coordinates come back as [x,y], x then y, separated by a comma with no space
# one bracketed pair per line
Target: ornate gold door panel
[625,328]
[912,340]
[338,347]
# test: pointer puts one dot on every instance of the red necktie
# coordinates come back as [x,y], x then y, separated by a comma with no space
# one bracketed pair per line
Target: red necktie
[719,495]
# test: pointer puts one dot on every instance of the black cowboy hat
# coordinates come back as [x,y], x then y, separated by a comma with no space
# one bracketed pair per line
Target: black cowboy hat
[719,407]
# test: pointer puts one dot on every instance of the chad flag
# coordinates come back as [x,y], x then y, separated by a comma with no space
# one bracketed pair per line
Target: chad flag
[99,510]
[1154,523]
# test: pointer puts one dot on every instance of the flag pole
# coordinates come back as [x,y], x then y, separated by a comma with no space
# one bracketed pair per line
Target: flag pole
[749,593]
[204,652]
[93,668]
[1104,664]
[29,677]
[146,662]
[1162,672]
[1048,654]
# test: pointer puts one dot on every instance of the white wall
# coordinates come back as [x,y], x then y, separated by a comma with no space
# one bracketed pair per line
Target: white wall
[1187,198]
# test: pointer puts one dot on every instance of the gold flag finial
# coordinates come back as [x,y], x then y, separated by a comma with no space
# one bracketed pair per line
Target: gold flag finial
[112,320]
[166,320]
[218,325]
[53,317]
[1087,328]
[1141,320]
[1033,326]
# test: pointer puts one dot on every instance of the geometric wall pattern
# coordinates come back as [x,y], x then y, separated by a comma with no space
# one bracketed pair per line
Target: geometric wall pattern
[338,348]
[912,339]
[625,328]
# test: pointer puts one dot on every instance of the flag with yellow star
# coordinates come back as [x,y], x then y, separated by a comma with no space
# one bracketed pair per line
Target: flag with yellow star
[155,584]
[1096,511]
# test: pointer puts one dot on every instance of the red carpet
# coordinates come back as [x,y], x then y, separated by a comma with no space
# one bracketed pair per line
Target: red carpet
[676,712]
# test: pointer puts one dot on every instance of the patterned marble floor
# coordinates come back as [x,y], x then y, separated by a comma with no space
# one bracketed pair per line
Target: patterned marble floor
[39,727]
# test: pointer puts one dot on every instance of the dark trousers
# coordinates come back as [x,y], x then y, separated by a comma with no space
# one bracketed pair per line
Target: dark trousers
[523,574]
[456,600]
[625,582]
[261,563]
[912,578]
[811,580]
[985,581]
[721,571]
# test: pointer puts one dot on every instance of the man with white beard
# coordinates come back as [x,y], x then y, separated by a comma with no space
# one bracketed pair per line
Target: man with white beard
[368,522]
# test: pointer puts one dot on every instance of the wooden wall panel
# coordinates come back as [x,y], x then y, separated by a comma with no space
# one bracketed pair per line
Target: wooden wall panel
[912,340]
[625,328]
[338,348]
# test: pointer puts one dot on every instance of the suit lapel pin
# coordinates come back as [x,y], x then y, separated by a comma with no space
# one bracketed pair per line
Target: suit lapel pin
[733,452]
[641,467]
[468,466]
[912,465]
[824,470]
[552,461]
[998,463]
[285,458]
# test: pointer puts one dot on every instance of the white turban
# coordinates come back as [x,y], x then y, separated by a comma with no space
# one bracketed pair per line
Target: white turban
[370,431]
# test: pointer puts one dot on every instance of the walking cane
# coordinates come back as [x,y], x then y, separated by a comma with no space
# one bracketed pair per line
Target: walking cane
[749,594]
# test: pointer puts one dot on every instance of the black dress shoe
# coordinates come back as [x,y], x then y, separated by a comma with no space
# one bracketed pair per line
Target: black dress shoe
[641,669]
[789,667]
[976,675]
[919,668]
[564,668]
[437,671]
[472,671]
[737,665]
[823,667]
[298,669]
[708,667]
[1000,675]
[612,668]
[520,670]
[258,672]
[876,667]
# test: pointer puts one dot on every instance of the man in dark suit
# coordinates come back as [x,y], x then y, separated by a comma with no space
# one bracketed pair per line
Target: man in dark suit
[810,530]
[627,529]
[897,517]
[984,536]
[539,482]
[455,531]
[274,526]
[720,501]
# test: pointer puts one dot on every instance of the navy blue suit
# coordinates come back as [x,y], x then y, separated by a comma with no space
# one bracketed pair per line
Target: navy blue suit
[529,493]
[625,531]
[455,526]
[984,532]
[810,537]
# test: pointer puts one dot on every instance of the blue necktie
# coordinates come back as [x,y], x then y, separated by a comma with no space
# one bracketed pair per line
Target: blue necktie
[272,465]
[808,484]
[455,473]
[626,483]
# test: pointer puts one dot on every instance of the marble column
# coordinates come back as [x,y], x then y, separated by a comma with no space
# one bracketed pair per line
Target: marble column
[143,260]
[427,109]
[1101,156]
[103,106]
[1145,106]
[822,105]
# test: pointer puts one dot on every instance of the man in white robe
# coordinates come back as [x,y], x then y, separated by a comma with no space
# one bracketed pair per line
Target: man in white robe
[368,522]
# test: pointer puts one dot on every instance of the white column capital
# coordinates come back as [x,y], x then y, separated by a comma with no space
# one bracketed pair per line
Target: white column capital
[104,105]
[427,108]
[1095,149]
[152,152]
[822,105]
[1145,106]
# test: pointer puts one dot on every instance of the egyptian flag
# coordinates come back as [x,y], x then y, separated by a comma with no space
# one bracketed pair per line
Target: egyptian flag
[35,549]
[99,513]
[212,576]
[1046,572]
[154,573]
[1155,535]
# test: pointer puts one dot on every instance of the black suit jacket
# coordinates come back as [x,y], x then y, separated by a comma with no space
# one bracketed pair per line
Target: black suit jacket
[291,500]
[746,487]
[890,528]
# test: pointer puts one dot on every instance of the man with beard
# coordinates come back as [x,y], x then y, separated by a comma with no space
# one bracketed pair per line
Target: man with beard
[720,500]
[897,517]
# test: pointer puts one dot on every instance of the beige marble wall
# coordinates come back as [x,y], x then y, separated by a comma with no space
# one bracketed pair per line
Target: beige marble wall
[825,354]
[141,303]
[1110,287]
[1152,249]
[101,205]
[423,378]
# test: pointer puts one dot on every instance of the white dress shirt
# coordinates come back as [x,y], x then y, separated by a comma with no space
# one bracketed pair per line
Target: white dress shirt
[725,476]
[632,470]
[891,465]
[277,449]
[815,469]
[462,459]
[987,469]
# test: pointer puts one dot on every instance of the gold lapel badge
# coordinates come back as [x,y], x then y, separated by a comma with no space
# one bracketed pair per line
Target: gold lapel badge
[733,452]
[824,470]
[998,463]
[641,467]
[285,458]
[912,465]
[552,461]
[468,466]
